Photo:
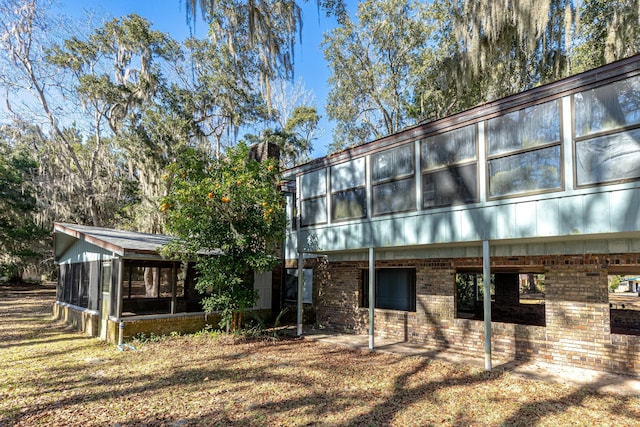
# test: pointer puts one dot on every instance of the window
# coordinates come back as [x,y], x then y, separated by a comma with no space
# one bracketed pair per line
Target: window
[313,193]
[515,297]
[348,192]
[524,151]
[395,289]
[291,285]
[449,168]
[624,304]
[394,188]
[607,133]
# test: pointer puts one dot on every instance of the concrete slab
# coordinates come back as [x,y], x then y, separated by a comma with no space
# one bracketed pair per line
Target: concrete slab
[596,380]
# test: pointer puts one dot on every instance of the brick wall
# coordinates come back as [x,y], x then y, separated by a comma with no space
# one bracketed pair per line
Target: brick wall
[577,313]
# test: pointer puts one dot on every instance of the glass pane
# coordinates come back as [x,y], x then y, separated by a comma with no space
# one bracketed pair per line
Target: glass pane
[395,196]
[450,186]
[608,158]
[349,204]
[348,175]
[106,277]
[530,127]
[314,211]
[313,184]
[521,173]
[391,163]
[608,107]
[448,148]
[394,289]
[291,285]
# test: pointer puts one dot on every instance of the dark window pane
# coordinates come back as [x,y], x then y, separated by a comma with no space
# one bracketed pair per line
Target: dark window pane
[608,107]
[450,186]
[448,148]
[530,127]
[395,196]
[608,158]
[525,172]
[392,163]
[314,211]
[395,289]
[349,204]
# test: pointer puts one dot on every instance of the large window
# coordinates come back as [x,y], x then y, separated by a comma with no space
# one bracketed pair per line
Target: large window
[348,192]
[607,133]
[314,198]
[449,168]
[395,289]
[393,178]
[524,151]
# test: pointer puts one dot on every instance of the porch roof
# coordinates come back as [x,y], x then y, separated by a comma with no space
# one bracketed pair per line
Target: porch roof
[120,242]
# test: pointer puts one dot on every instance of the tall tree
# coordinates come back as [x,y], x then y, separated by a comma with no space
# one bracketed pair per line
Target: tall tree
[608,30]
[221,92]
[27,77]
[22,240]
[271,30]
[373,65]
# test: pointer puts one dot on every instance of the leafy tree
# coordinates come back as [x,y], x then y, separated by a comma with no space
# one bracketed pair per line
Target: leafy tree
[222,95]
[268,28]
[608,31]
[21,239]
[373,65]
[229,214]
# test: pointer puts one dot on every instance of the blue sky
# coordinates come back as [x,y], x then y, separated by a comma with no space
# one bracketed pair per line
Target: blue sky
[170,16]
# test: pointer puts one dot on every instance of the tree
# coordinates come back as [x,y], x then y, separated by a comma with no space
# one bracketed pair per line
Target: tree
[116,72]
[608,31]
[228,213]
[22,241]
[266,27]
[373,65]
[222,95]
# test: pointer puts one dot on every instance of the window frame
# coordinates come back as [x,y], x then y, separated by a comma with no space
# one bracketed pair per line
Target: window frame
[312,197]
[433,170]
[518,152]
[363,292]
[597,135]
[409,176]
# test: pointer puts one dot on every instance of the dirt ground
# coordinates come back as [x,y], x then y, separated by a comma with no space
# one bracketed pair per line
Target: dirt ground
[53,376]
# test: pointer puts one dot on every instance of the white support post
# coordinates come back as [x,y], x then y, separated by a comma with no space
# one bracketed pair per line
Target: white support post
[486,271]
[300,290]
[298,203]
[372,296]
[174,288]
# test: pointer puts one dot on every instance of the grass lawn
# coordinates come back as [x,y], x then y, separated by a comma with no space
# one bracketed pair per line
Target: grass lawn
[52,376]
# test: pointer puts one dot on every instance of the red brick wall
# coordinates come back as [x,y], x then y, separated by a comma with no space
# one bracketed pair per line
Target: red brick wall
[577,331]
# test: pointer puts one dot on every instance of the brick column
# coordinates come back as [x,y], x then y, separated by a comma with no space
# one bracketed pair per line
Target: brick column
[577,315]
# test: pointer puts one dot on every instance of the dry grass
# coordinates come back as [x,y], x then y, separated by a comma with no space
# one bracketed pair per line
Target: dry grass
[52,376]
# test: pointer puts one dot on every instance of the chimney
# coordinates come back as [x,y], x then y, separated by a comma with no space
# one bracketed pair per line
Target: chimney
[264,150]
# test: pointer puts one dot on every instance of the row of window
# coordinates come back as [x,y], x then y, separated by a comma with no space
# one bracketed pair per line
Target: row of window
[523,156]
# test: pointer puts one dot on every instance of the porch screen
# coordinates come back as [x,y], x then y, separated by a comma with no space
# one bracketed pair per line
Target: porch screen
[78,284]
